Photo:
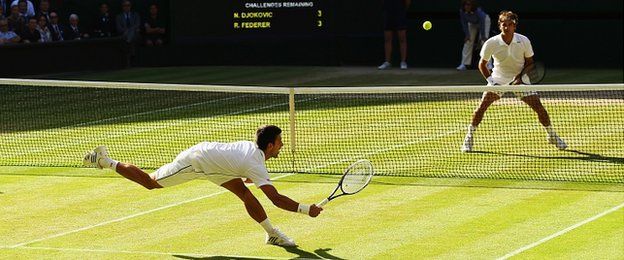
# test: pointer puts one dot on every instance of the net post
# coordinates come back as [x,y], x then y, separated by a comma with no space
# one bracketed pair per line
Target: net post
[293,135]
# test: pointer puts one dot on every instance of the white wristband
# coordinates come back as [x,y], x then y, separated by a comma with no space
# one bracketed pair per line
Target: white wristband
[304,209]
[490,81]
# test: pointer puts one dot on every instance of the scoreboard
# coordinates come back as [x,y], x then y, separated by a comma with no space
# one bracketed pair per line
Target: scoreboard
[196,19]
[278,16]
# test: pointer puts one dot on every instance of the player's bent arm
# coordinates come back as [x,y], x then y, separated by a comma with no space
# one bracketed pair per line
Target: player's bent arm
[529,65]
[485,71]
[286,203]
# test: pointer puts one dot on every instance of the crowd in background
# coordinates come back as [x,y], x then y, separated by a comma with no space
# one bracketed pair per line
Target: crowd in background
[23,21]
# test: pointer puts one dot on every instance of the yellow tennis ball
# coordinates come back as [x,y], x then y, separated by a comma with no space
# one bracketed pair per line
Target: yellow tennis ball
[427,25]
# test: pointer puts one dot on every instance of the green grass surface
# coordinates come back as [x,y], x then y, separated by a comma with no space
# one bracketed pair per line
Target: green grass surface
[81,213]
[494,206]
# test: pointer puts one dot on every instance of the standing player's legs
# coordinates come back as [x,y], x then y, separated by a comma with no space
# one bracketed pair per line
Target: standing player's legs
[388,34]
[256,211]
[468,49]
[534,102]
[487,100]
[402,35]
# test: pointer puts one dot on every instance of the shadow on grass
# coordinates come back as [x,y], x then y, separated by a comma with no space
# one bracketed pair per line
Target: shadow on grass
[591,157]
[26,110]
[592,186]
[216,257]
[321,253]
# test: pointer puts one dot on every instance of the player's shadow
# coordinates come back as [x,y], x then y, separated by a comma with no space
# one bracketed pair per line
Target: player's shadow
[321,253]
[591,157]
[217,257]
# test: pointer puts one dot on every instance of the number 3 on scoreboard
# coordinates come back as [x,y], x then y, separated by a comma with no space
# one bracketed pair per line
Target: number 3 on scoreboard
[319,13]
[319,23]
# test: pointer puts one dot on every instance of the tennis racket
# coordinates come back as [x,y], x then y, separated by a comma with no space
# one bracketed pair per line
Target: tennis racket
[535,73]
[355,178]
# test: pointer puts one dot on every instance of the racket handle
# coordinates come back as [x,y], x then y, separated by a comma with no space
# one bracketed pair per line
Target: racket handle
[322,203]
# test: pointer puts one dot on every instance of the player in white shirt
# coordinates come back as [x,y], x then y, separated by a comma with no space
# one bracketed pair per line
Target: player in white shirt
[512,52]
[225,164]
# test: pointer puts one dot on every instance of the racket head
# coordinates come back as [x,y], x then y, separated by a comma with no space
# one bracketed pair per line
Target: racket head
[536,74]
[357,176]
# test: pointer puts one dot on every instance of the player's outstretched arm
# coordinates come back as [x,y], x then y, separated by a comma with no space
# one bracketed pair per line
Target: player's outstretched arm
[286,203]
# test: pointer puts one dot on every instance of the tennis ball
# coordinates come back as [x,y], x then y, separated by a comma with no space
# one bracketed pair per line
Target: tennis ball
[427,25]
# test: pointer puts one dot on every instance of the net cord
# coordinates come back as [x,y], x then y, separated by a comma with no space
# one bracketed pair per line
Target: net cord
[307,90]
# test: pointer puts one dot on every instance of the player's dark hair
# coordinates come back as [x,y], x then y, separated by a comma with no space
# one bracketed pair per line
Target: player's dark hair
[507,16]
[266,134]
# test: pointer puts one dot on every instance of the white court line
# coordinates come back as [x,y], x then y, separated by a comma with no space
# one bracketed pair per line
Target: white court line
[386,149]
[146,252]
[129,217]
[543,240]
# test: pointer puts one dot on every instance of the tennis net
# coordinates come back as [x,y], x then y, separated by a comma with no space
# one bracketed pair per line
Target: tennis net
[403,130]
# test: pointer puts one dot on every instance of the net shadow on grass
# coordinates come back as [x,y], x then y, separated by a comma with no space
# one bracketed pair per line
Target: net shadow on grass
[478,183]
[38,108]
[590,157]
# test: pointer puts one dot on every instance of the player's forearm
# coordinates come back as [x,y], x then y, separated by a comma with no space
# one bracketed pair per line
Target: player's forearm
[484,69]
[285,203]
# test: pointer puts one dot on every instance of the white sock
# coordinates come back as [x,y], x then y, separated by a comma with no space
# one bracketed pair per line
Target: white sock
[110,163]
[471,129]
[550,130]
[266,224]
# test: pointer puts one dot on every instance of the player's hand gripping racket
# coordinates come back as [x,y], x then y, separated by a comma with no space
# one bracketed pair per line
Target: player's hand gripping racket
[535,73]
[354,179]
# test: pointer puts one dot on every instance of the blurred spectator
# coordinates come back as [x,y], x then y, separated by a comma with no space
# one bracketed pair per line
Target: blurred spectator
[25,7]
[2,16]
[73,31]
[44,9]
[4,8]
[395,16]
[31,34]
[57,31]
[103,25]
[44,30]
[7,36]
[128,22]
[473,21]
[154,28]
[16,21]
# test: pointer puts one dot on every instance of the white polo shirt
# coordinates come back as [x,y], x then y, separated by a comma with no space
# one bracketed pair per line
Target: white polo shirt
[241,159]
[508,59]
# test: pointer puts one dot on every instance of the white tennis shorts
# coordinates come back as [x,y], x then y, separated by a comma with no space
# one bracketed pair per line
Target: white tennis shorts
[518,94]
[181,170]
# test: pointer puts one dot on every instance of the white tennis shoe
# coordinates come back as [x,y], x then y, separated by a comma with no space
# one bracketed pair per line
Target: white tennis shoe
[94,158]
[403,65]
[467,146]
[278,238]
[558,142]
[385,65]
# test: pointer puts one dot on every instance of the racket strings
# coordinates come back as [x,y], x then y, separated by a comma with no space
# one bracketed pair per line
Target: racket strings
[357,178]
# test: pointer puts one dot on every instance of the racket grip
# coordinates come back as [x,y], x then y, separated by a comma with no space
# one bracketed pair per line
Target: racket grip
[322,203]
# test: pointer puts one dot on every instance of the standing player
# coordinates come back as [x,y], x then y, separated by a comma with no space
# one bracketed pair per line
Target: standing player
[512,52]
[395,17]
[224,164]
